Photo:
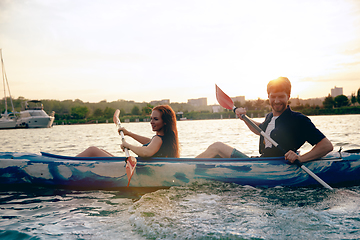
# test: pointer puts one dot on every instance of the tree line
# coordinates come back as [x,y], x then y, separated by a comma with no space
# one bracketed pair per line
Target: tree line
[328,103]
[341,100]
[77,111]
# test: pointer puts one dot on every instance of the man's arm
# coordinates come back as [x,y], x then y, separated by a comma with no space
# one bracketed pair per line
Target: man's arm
[239,112]
[319,150]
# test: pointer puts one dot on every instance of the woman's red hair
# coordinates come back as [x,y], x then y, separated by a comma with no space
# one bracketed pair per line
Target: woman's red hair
[170,139]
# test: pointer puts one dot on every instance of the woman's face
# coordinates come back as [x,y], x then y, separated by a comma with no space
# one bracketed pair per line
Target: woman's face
[156,121]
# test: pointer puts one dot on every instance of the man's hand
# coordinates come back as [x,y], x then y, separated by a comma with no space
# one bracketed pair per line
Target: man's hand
[291,156]
[318,151]
[240,111]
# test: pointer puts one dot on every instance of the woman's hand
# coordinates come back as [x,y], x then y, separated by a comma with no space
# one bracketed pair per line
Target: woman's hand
[124,145]
[126,132]
[240,111]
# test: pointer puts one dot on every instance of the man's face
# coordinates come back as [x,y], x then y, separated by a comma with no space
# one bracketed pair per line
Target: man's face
[278,102]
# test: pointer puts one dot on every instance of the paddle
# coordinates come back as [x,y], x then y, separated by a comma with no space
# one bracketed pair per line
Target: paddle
[226,102]
[130,161]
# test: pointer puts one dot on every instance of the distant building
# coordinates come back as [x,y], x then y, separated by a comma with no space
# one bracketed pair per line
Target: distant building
[240,99]
[216,108]
[160,102]
[198,102]
[294,102]
[336,91]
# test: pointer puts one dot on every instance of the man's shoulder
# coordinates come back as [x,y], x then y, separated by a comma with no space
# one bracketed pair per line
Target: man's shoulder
[268,117]
[292,117]
[295,114]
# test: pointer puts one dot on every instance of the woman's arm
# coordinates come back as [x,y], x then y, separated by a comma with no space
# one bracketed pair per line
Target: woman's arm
[144,151]
[141,139]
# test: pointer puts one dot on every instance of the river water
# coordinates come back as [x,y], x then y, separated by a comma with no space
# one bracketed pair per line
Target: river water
[206,210]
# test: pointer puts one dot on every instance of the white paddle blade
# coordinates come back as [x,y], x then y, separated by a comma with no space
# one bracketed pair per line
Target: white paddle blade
[116,117]
[130,168]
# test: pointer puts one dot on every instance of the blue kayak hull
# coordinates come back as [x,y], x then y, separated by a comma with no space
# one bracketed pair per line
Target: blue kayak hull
[336,169]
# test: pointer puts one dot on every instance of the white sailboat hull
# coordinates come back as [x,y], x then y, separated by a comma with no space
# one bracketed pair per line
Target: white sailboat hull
[6,123]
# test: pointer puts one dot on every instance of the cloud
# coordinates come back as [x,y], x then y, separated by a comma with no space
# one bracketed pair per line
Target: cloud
[175,49]
[352,51]
[350,64]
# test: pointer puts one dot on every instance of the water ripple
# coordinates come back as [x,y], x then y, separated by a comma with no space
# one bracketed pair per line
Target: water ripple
[204,210]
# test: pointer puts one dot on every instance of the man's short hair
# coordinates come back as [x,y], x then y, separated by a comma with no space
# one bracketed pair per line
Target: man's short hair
[281,84]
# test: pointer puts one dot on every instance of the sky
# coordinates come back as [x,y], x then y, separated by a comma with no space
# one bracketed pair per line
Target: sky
[143,50]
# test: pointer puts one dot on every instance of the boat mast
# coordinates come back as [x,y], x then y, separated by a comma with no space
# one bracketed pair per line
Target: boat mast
[7,83]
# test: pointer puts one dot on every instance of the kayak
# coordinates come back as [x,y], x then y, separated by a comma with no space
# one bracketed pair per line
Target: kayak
[95,173]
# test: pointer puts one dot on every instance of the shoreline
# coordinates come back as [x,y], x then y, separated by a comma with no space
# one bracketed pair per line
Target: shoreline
[221,115]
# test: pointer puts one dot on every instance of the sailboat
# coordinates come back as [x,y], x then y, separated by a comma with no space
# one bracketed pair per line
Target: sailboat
[7,120]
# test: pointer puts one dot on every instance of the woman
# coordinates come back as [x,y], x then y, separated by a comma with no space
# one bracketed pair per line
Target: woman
[165,143]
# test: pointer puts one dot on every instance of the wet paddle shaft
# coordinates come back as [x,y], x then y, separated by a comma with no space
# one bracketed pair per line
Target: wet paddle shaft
[118,123]
[130,161]
[226,102]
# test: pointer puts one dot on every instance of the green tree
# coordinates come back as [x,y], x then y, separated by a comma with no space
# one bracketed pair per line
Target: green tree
[237,104]
[341,101]
[258,104]
[329,102]
[79,112]
[135,110]
[109,112]
[98,112]
[353,99]
[248,105]
[122,112]
[147,109]
[358,96]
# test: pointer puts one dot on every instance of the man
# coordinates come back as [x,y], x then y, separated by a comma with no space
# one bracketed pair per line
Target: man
[288,128]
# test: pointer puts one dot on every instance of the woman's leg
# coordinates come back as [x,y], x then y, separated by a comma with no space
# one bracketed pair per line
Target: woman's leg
[217,149]
[94,152]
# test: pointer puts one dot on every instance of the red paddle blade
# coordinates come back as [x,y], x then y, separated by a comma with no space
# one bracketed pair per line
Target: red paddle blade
[116,116]
[130,168]
[223,99]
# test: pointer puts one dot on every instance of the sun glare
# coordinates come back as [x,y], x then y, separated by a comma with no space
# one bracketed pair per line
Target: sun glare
[240,45]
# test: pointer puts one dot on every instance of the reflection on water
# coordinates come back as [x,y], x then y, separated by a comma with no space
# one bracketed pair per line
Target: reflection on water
[218,210]
[60,214]
[204,210]
[194,136]
[210,210]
